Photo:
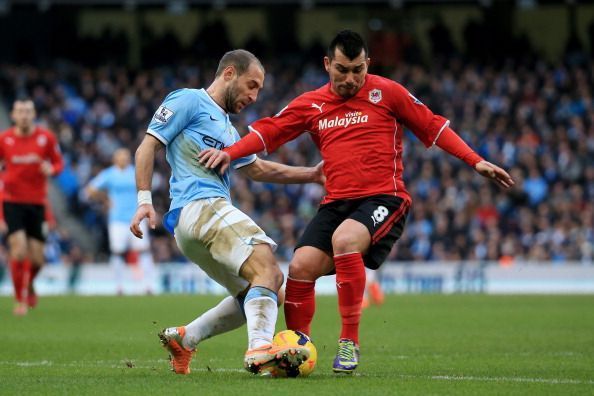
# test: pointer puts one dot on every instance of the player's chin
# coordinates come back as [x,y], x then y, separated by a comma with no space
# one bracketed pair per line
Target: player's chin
[237,108]
[348,92]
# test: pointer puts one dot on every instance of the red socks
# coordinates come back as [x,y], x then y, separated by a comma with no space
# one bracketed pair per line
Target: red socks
[21,274]
[350,285]
[17,276]
[34,271]
[300,304]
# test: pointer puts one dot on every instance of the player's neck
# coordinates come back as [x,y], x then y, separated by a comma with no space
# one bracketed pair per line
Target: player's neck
[216,95]
[19,131]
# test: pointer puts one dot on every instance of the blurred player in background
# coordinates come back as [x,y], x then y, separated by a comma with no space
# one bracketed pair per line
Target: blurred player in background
[357,121]
[119,184]
[229,246]
[373,290]
[30,155]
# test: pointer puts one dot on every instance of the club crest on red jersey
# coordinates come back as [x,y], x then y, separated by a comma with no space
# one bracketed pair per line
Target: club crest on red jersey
[375,95]
[41,140]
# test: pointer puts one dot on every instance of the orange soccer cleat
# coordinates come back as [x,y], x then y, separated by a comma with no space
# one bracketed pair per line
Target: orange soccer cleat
[288,357]
[376,293]
[179,357]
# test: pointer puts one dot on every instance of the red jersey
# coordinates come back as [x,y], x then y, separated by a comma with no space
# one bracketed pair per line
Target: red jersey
[49,214]
[360,138]
[24,182]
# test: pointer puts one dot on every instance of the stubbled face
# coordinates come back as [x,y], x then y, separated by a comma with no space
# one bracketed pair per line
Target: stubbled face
[121,158]
[347,76]
[23,115]
[243,90]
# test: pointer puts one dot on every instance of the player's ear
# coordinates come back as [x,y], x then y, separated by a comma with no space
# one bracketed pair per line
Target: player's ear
[327,63]
[229,72]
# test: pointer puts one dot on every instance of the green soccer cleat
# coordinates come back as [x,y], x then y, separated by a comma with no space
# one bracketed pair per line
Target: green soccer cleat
[347,357]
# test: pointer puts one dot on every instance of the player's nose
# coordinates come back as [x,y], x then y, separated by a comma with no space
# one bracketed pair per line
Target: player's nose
[350,79]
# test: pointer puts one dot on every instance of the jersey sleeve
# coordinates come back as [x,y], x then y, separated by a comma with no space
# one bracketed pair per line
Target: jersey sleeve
[173,115]
[101,181]
[1,198]
[243,161]
[286,125]
[416,116]
[55,154]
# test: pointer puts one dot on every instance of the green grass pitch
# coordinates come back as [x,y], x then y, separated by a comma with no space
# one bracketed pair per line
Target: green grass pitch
[412,345]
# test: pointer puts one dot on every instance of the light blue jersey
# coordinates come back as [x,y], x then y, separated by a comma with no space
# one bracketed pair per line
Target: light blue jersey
[187,122]
[120,186]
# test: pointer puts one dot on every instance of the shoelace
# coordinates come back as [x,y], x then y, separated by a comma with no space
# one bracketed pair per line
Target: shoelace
[346,351]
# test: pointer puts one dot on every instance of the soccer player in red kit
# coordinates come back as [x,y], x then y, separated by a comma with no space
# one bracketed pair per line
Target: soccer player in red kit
[357,121]
[30,154]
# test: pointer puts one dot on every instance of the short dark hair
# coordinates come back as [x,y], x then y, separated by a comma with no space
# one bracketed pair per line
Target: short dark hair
[239,58]
[349,43]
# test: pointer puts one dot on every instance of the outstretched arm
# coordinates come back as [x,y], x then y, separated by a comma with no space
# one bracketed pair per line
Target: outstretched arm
[449,141]
[212,158]
[273,172]
[145,158]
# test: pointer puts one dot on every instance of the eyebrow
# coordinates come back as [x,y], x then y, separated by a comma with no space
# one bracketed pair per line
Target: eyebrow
[260,86]
[353,67]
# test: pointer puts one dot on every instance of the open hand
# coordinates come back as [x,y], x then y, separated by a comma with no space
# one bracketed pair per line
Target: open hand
[143,211]
[212,158]
[492,171]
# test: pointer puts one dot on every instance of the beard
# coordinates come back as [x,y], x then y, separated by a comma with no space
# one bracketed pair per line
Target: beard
[230,99]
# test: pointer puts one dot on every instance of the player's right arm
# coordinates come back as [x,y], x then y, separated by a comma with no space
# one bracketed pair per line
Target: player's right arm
[170,119]
[95,189]
[266,135]
[144,160]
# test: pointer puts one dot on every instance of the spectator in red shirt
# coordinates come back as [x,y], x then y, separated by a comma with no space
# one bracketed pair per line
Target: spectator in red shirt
[30,155]
[357,121]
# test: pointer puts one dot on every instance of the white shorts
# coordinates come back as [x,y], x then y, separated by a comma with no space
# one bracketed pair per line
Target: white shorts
[121,239]
[219,238]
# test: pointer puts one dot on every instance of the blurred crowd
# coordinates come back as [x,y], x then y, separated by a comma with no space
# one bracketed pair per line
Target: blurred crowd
[535,119]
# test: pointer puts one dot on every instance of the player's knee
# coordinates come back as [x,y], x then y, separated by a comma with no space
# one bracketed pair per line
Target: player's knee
[343,242]
[302,270]
[18,254]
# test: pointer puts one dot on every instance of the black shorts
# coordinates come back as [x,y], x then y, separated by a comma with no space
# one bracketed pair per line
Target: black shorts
[27,217]
[383,215]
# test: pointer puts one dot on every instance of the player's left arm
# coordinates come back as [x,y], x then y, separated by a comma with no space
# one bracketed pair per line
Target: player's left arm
[433,129]
[273,172]
[55,164]
[451,142]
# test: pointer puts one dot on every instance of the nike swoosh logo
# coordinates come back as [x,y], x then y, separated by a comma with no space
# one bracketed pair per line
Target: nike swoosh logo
[213,119]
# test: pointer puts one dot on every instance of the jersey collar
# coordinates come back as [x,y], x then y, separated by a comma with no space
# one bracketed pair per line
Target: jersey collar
[213,101]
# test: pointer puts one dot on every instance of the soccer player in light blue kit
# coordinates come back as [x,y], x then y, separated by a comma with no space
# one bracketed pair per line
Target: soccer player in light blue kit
[118,183]
[229,246]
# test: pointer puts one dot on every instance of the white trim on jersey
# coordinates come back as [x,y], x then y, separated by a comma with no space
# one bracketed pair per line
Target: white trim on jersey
[261,138]
[213,101]
[157,136]
[447,123]
[246,164]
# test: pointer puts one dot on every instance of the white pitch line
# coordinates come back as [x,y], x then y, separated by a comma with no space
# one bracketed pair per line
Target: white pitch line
[150,364]
[552,381]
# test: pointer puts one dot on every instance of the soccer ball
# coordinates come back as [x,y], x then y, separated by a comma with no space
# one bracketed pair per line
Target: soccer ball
[296,337]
